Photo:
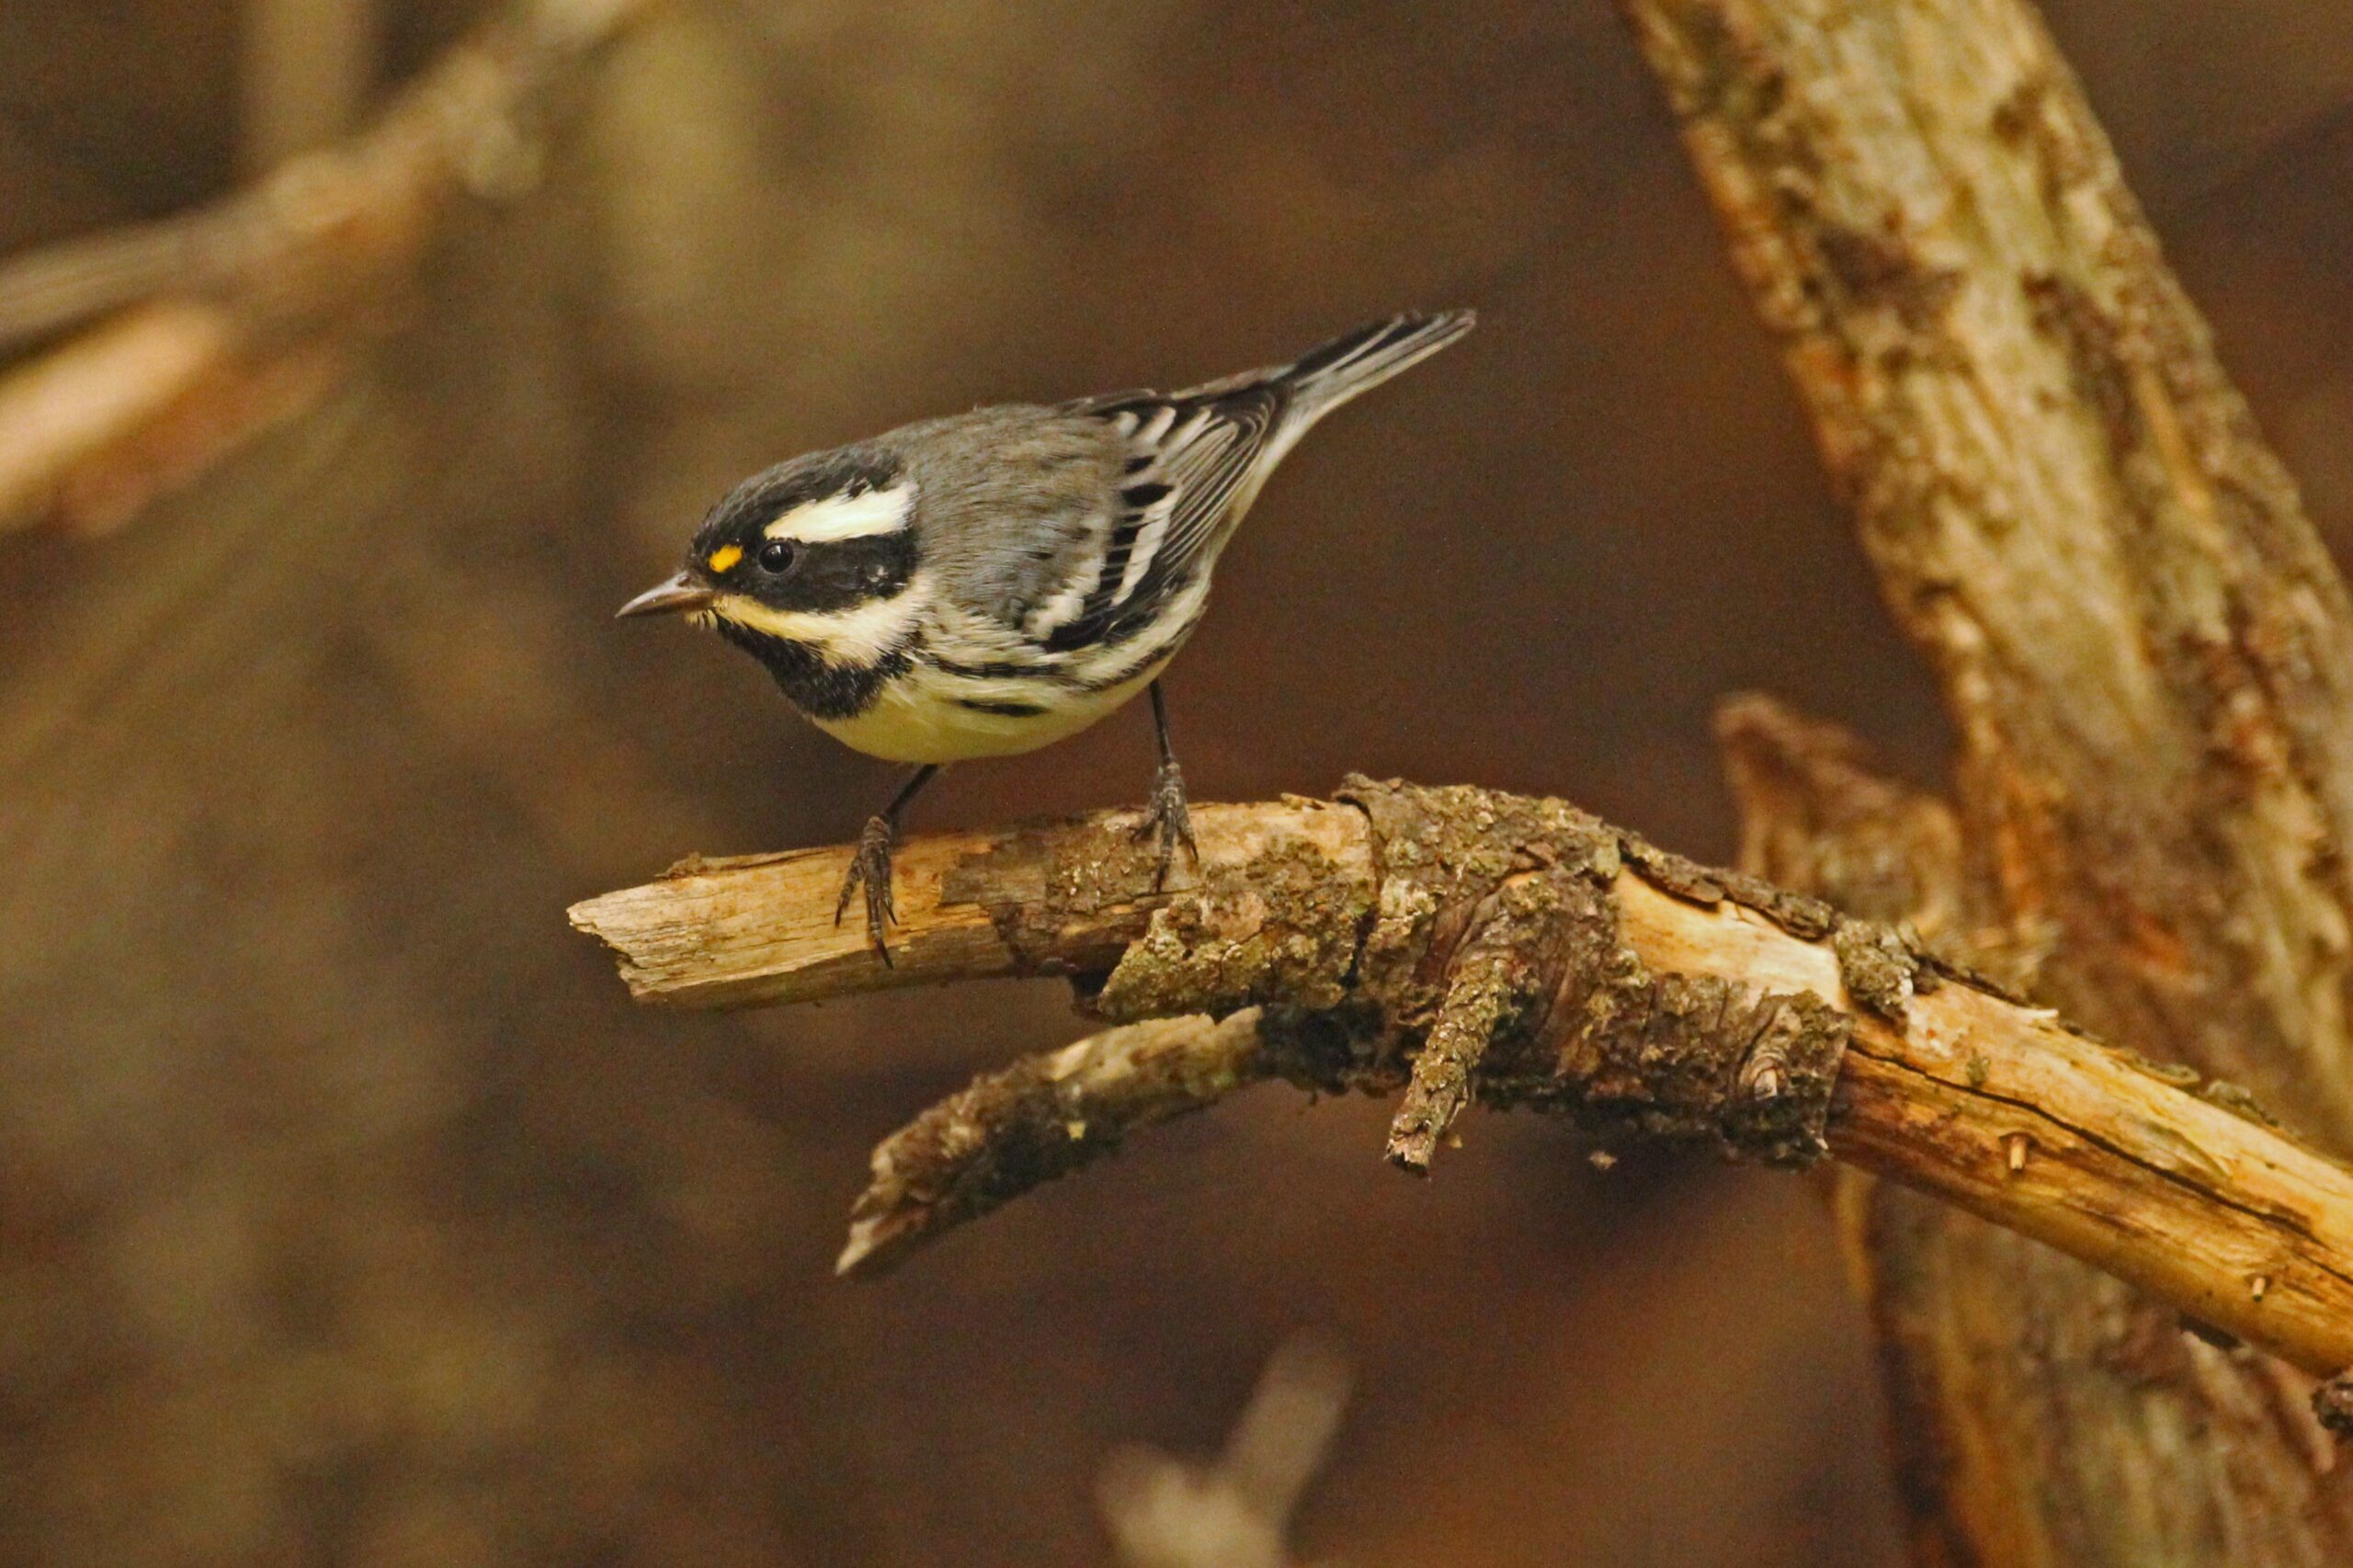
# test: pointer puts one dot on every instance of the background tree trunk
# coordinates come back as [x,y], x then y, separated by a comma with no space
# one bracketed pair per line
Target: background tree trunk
[2148,657]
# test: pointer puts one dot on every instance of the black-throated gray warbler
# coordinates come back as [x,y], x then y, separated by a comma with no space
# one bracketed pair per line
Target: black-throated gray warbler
[992,582]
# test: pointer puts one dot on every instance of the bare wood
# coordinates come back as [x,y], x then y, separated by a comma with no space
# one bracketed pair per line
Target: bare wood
[1963,1305]
[2149,660]
[760,929]
[1818,815]
[1983,1101]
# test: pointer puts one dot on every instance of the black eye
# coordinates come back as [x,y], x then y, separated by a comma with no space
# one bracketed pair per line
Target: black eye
[777,556]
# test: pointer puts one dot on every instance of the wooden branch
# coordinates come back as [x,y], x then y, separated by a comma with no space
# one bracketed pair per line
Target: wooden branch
[1684,1004]
[734,933]
[1817,815]
[1960,1303]
[2149,660]
[2146,650]
[218,324]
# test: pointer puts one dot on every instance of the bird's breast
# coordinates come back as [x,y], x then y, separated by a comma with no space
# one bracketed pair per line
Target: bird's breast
[926,715]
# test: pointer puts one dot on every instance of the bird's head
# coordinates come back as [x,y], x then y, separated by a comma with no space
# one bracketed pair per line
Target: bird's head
[818,554]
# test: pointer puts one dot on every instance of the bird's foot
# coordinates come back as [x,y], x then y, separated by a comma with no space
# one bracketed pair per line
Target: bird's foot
[870,867]
[1166,815]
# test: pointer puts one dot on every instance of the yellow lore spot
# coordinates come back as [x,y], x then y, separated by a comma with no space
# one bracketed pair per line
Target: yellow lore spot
[725,556]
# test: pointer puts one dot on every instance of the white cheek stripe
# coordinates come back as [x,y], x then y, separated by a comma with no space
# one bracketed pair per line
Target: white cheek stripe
[861,634]
[847,517]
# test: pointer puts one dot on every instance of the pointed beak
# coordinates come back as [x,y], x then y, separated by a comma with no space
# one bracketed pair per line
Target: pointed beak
[667,597]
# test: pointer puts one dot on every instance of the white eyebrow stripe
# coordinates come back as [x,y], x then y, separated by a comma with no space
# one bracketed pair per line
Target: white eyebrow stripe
[862,634]
[847,517]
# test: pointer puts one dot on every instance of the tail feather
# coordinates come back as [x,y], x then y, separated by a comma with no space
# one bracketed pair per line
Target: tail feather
[1323,377]
[1327,375]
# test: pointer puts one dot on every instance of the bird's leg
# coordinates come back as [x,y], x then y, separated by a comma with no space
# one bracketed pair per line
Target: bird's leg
[870,867]
[1166,814]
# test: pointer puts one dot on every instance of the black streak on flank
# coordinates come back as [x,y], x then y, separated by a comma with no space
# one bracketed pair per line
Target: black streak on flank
[1125,626]
[996,669]
[1088,625]
[1003,710]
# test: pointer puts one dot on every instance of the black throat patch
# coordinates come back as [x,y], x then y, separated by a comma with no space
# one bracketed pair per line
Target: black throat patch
[818,687]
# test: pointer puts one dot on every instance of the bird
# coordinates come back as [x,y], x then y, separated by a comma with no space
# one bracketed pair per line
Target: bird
[985,584]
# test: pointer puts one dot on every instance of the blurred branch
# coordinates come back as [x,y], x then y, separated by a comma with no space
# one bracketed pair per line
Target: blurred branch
[306,73]
[221,322]
[1235,1512]
[1610,982]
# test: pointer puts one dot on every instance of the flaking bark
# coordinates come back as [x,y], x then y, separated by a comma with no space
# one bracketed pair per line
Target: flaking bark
[1040,1119]
[2145,647]
[1623,988]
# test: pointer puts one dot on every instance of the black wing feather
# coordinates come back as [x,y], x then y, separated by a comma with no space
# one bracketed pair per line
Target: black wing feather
[1190,453]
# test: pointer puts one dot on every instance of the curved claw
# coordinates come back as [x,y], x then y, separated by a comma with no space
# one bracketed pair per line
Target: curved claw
[1166,815]
[869,868]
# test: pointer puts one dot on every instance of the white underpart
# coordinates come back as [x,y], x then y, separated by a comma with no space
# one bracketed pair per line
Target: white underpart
[861,634]
[847,517]
[922,716]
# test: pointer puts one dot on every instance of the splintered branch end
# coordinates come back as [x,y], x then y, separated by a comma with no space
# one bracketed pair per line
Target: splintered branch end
[1042,1118]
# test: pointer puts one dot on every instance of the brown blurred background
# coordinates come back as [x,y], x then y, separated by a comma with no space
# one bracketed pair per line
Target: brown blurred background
[349,1214]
